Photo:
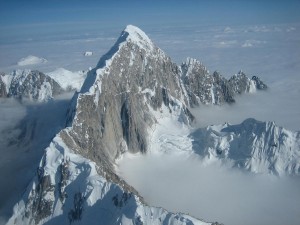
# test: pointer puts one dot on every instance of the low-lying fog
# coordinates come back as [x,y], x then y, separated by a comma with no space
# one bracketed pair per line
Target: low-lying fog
[279,103]
[212,192]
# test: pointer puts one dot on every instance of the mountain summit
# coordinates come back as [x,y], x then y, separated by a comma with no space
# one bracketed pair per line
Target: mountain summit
[137,36]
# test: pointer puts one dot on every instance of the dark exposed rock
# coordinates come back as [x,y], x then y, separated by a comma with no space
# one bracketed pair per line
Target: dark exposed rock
[37,206]
[64,175]
[198,82]
[3,92]
[259,84]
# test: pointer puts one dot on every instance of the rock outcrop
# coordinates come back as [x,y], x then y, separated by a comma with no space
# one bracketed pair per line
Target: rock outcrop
[203,88]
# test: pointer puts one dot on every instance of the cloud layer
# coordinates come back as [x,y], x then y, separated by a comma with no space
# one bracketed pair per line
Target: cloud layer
[213,192]
[276,104]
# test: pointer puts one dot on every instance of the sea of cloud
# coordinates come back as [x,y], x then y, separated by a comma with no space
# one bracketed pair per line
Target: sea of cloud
[213,192]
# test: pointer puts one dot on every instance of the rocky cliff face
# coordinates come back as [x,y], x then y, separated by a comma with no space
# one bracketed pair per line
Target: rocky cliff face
[215,89]
[27,84]
[112,113]
[260,147]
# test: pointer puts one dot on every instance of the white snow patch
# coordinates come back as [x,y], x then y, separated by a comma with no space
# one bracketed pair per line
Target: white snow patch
[252,87]
[137,36]
[68,79]
[88,54]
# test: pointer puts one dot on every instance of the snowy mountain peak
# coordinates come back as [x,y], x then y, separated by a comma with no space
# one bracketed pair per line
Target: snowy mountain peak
[137,36]
[129,46]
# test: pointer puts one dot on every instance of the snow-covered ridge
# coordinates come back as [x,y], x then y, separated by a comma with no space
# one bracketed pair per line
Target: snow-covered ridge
[205,88]
[31,60]
[68,80]
[260,147]
[29,84]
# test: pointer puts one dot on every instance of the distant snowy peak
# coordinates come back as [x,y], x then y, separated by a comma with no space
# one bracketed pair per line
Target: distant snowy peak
[31,60]
[261,147]
[68,80]
[27,84]
[215,89]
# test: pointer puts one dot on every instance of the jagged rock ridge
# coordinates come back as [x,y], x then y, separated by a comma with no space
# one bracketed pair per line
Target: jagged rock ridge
[215,89]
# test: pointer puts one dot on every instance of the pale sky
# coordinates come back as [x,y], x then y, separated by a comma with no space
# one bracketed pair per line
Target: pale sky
[47,17]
